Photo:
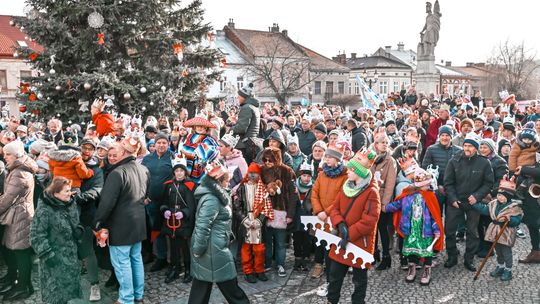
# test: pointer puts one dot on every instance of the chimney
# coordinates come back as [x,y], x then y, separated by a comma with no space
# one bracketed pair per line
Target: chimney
[469,64]
[274,28]
[400,46]
[231,23]
[285,32]
[343,58]
[388,48]
[353,55]
[480,64]
[448,63]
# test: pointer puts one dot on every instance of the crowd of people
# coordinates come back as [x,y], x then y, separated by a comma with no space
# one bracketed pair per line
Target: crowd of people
[198,196]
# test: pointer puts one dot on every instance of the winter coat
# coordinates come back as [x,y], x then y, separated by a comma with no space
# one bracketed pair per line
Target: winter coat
[177,197]
[297,160]
[306,139]
[430,228]
[286,201]
[495,211]
[325,190]
[495,124]
[361,220]
[18,196]
[249,121]
[387,168]
[278,136]
[531,206]
[438,156]
[91,188]
[160,168]
[104,123]
[211,259]
[121,208]
[500,169]
[521,156]
[359,139]
[458,140]
[69,164]
[199,150]
[465,176]
[53,236]
[241,212]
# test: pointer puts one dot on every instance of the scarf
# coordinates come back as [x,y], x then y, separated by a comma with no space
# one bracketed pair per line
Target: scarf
[303,188]
[262,204]
[351,189]
[333,172]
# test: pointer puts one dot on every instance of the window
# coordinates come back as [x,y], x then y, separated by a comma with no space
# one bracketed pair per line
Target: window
[356,89]
[383,87]
[341,87]
[239,82]
[350,88]
[396,86]
[223,84]
[329,92]
[25,74]
[3,80]
[317,88]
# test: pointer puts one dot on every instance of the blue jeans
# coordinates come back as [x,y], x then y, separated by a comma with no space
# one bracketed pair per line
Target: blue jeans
[277,237]
[160,246]
[129,270]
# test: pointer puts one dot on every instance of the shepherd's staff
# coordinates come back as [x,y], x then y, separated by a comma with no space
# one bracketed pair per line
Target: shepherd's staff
[490,250]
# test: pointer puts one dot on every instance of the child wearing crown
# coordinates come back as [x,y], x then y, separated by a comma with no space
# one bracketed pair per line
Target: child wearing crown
[302,240]
[418,220]
[502,209]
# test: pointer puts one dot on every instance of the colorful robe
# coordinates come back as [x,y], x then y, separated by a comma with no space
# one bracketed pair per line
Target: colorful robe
[199,149]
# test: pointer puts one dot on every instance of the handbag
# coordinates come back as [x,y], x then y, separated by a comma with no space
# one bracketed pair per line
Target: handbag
[8,217]
[279,221]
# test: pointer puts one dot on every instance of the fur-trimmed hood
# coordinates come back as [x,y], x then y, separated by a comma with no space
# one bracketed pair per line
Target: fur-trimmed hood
[63,155]
[209,185]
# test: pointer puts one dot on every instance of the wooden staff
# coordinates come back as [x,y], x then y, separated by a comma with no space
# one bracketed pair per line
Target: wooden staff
[490,250]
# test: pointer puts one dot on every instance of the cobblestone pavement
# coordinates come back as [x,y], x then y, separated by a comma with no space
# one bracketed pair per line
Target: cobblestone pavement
[448,286]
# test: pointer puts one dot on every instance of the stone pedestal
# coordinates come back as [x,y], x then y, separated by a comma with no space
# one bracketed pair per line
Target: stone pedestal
[426,75]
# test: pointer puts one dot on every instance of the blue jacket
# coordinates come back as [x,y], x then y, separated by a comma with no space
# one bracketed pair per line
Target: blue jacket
[160,171]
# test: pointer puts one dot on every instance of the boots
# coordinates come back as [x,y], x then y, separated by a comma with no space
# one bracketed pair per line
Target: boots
[297,264]
[112,281]
[303,264]
[187,275]
[411,274]
[426,276]
[377,256]
[532,258]
[172,275]
[386,262]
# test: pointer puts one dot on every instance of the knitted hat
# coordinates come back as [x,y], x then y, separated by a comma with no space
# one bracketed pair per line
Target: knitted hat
[42,164]
[15,148]
[509,126]
[150,129]
[161,135]
[335,151]
[488,132]
[488,142]
[529,125]
[106,143]
[503,142]
[254,168]
[319,143]
[508,185]
[306,168]
[422,178]
[446,130]
[229,140]
[336,132]
[22,128]
[41,145]
[472,139]
[482,118]
[361,162]
[215,169]
[321,128]
[527,133]
[246,91]
[408,165]
[466,121]
[88,141]
[151,142]
[178,161]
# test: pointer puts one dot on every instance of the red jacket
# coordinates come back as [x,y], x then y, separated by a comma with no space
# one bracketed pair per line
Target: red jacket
[104,123]
[361,220]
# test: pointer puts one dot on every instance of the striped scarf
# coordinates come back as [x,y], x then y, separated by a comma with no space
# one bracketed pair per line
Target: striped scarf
[262,203]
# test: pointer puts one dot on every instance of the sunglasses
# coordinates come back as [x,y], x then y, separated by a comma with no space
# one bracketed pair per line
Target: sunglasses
[267,160]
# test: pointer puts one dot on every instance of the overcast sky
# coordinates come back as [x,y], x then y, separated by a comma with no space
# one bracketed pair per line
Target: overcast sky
[470,29]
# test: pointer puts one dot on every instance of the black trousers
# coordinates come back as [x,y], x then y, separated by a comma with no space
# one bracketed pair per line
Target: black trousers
[180,252]
[385,220]
[200,292]
[19,263]
[483,224]
[301,244]
[338,272]
[453,217]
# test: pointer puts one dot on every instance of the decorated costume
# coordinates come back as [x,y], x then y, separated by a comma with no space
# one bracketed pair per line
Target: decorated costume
[199,149]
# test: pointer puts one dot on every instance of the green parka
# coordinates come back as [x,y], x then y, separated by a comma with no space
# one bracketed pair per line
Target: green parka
[212,261]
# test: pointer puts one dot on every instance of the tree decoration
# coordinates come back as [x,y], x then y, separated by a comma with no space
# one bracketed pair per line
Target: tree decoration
[32,97]
[52,71]
[87,86]
[22,108]
[101,38]
[163,88]
[23,87]
[83,105]
[95,20]
[11,22]
[33,56]
[179,51]
[58,88]
[223,62]
[143,90]
[127,96]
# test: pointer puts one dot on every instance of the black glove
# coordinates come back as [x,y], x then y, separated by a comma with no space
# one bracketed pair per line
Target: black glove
[51,262]
[344,233]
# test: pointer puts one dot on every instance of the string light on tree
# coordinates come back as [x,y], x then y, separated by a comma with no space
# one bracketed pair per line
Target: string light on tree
[163,88]
[143,90]
[87,86]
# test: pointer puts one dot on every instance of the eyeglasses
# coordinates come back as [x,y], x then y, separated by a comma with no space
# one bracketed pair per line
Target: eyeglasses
[267,160]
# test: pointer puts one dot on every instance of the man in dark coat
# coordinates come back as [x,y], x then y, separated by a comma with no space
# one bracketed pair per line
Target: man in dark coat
[121,212]
[248,124]
[468,179]
[359,137]
[306,137]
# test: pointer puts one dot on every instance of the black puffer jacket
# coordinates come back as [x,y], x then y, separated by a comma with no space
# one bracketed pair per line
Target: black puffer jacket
[500,168]
[306,139]
[465,176]
[90,193]
[439,155]
[249,120]
[177,197]
[359,139]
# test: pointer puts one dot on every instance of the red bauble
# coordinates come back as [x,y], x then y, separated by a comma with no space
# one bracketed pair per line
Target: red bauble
[22,108]
[35,112]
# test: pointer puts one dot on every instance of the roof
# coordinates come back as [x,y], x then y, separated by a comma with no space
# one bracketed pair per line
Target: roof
[375,62]
[232,54]
[262,44]
[448,71]
[407,57]
[321,63]
[473,71]
[9,37]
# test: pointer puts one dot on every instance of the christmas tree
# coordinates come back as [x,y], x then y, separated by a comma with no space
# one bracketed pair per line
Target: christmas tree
[144,56]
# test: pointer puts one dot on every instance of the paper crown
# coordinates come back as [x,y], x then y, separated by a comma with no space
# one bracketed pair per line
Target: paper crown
[292,139]
[306,167]
[345,140]
[422,178]
[230,140]
[504,109]
[508,119]
[389,116]
[131,144]
[408,165]
[445,107]
[508,184]
[136,120]
[215,169]
[179,161]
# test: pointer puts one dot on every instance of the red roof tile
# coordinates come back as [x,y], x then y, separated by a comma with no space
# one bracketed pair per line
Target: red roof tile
[9,35]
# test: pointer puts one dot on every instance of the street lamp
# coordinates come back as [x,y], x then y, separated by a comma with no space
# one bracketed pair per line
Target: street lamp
[370,81]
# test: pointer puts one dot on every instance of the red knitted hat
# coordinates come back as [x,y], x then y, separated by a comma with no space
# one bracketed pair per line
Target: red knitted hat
[254,168]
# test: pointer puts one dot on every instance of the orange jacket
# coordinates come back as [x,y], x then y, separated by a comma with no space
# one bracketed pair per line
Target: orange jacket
[104,123]
[72,168]
[325,190]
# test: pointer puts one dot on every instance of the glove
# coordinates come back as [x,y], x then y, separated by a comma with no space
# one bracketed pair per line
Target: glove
[167,214]
[154,235]
[246,222]
[51,262]
[179,215]
[344,232]
[256,224]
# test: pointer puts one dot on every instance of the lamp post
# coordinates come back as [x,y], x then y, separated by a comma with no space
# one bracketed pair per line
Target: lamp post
[370,81]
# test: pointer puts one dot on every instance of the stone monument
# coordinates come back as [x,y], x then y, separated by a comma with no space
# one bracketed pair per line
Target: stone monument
[427,76]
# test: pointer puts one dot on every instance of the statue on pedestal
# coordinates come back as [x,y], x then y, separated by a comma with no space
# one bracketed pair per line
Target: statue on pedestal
[429,36]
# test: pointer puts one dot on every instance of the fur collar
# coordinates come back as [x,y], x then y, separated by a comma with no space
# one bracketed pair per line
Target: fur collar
[63,155]
[210,186]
